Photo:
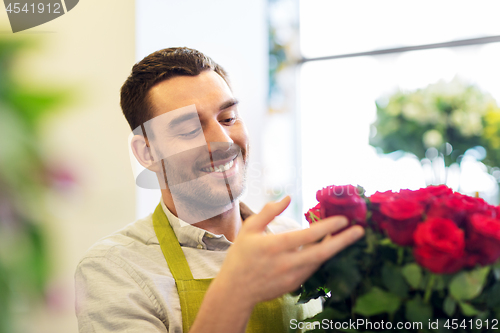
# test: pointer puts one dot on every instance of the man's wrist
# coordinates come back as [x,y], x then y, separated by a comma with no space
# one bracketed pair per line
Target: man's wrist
[223,310]
[227,290]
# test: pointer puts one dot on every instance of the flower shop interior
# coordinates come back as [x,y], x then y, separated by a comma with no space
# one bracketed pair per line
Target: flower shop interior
[385,94]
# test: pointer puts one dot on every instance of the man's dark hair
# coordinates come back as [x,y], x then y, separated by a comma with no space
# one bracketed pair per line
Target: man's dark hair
[156,67]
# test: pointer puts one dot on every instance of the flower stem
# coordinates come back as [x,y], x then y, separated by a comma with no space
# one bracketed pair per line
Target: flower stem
[428,288]
[401,255]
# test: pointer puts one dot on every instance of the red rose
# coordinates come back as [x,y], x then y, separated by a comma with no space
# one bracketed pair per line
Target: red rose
[438,191]
[483,240]
[399,218]
[375,200]
[439,246]
[425,195]
[420,195]
[342,200]
[313,214]
[380,197]
[456,207]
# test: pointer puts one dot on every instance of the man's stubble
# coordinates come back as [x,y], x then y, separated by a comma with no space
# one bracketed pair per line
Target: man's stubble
[197,197]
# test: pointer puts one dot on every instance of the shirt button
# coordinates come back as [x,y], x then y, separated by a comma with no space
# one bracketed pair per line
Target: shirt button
[209,235]
[199,246]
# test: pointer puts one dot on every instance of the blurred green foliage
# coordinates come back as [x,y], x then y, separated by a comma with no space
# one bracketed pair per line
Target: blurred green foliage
[24,179]
[455,112]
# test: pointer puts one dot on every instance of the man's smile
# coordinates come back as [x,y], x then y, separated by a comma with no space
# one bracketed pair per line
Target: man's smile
[225,169]
[220,166]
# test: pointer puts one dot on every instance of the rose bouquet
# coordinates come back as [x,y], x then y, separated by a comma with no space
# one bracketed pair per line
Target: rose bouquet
[428,263]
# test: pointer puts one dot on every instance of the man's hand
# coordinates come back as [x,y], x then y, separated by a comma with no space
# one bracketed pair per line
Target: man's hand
[261,267]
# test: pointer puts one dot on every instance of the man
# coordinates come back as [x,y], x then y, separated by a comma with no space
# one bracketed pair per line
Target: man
[202,262]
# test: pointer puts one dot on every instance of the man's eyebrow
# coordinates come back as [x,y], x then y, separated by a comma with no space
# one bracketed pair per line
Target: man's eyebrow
[183,118]
[228,104]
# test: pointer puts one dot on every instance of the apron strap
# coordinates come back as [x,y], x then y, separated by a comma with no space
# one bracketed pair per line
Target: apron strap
[176,260]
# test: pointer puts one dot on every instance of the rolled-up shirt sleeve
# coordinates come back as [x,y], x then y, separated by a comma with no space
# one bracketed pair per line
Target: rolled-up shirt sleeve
[111,297]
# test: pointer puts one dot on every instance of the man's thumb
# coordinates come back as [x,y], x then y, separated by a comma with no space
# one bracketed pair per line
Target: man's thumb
[259,221]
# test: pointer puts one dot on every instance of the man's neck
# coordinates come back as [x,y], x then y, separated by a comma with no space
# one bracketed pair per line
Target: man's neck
[227,223]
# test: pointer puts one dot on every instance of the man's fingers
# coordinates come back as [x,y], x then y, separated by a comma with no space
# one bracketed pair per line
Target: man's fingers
[318,253]
[258,222]
[315,232]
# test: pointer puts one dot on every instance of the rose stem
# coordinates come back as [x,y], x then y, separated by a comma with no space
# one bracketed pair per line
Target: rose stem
[401,254]
[428,288]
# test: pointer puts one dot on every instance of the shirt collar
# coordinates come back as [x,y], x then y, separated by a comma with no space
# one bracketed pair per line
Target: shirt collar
[191,236]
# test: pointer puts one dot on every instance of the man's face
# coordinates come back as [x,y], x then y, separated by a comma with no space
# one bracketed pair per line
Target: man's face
[198,135]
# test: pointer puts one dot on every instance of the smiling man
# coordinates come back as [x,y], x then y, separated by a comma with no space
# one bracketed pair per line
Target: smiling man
[197,143]
[202,262]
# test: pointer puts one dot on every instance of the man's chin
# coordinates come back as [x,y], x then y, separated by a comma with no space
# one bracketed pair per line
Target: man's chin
[193,211]
[205,203]
[219,198]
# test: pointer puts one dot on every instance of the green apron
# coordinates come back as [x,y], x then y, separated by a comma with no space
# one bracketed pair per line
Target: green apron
[267,317]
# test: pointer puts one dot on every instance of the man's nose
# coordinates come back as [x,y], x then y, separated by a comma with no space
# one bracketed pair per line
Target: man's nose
[218,138]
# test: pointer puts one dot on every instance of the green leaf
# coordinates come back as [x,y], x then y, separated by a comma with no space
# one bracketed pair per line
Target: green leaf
[449,306]
[484,315]
[361,191]
[377,301]
[417,310]
[493,296]
[343,273]
[439,283]
[387,242]
[413,274]
[307,296]
[496,270]
[467,309]
[312,287]
[468,285]
[394,281]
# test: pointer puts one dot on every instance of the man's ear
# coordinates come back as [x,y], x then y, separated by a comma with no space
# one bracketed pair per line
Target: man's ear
[142,152]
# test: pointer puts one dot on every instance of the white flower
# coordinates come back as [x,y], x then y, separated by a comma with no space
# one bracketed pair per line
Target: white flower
[468,123]
[432,138]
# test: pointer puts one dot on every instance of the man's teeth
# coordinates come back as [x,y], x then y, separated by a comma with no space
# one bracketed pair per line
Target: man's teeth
[220,168]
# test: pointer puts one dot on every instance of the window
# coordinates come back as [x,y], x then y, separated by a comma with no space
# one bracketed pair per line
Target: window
[337,95]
